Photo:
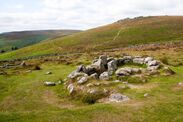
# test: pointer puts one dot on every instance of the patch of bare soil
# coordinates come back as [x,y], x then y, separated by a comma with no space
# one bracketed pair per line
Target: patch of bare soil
[178,87]
[51,98]
[143,86]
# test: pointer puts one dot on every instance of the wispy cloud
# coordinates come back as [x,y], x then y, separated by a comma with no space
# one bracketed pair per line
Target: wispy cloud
[78,14]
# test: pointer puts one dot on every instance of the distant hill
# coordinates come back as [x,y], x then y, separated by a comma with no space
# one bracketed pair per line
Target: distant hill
[141,30]
[25,38]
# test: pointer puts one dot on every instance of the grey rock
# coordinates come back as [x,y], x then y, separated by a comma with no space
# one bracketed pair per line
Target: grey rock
[81,68]
[136,70]
[152,63]
[76,74]
[70,88]
[93,76]
[104,76]
[148,59]
[83,80]
[120,61]
[104,59]
[90,70]
[99,66]
[127,59]
[112,66]
[47,83]
[109,59]
[152,68]
[138,60]
[118,98]
[123,71]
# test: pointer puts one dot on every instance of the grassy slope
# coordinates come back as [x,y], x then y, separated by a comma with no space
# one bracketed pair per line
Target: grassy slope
[134,31]
[26,38]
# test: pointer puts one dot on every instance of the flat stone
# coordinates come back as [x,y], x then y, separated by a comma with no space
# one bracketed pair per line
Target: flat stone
[118,98]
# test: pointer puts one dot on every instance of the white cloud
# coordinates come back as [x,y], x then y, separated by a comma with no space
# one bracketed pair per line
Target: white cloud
[83,14]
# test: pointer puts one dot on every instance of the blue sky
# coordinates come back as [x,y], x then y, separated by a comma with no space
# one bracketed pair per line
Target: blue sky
[18,15]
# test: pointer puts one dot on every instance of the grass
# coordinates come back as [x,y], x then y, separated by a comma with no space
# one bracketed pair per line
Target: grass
[23,98]
[135,31]
[27,38]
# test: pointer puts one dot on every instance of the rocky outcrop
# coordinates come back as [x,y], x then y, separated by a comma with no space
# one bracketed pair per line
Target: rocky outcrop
[85,78]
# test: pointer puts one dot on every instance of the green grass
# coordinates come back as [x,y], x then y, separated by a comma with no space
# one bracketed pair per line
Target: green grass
[134,31]
[23,98]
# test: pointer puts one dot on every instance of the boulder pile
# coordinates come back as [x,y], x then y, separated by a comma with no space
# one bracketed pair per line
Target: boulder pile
[106,68]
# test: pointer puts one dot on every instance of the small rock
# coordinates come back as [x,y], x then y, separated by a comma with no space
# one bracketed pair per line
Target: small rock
[93,76]
[60,82]
[112,66]
[104,76]
[81,68]
[48,73]
[148,59]
[117,81]
[146,95]
[138,60]
[136,70]
[123,71]
[49,83]
[83,80]
[118,98]
[23,63]
[127,59]
[28,71]
[152,68]
[70,88]
[75,74]
[109,59]
[152,63]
